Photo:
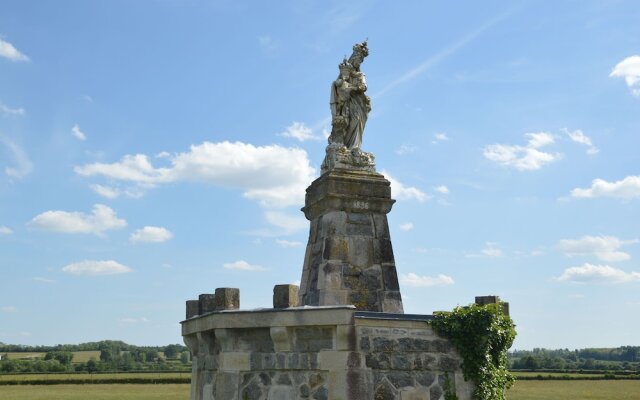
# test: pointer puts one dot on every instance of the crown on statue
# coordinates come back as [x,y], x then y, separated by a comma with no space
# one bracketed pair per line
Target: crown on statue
[344,65]
[361,48]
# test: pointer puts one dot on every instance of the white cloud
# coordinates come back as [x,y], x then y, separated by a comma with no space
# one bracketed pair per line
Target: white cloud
[440,137]
[5,230]
[629,69]
[77,133]
[627,188]
[402,192]
[288,243]
[491,249]
[11,111]
[406,226]
[299,131]
[94,268]
[605,248]
[23,165]
[275,176]
[7,50]
[287,223]
[442,189]
[105,191]
[523,158]
[8,309]
[151,234]
[101,219]
[415,280]
[589,273]
[405,149]
[579,137]
[242,265]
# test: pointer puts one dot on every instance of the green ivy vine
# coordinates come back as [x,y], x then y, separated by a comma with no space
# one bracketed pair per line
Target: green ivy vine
[482,334]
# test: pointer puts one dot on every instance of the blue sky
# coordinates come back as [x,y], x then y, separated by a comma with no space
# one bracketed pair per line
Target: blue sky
[151,151]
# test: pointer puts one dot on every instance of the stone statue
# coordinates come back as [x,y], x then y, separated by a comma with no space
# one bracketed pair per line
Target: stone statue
[350,105]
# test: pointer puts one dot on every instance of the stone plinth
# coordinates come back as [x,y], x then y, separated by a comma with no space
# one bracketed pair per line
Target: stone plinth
[349,257]
[320,353]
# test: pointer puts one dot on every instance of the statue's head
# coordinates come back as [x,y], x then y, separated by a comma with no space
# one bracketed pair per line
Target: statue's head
[345,68]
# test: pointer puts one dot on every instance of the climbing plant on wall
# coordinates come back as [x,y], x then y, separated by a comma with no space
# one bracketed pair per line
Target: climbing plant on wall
[482,334]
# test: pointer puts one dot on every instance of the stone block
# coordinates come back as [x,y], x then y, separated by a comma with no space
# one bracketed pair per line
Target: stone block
[207,303]
[359,224]
[227,299]
[484,300]
[336,248]
[234,361]
[360,251]
[193,308]
[415,394]
[390,277]
[285,296]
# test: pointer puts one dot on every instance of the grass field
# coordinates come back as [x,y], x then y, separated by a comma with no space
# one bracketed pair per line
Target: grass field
[574,390]
[558,374]
[523,390]
[96,392]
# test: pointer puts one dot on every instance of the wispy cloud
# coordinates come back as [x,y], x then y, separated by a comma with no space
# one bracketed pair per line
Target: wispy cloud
[405,149]
[590,273]
[441,56]
[300,132]
[5,230]
[440,137]
[11,111]
[95,268]
[242,265]
[401,192]
[288,243]
[605,248]
[7,50]
[629,69]
[579,137]
[9,309]
[442,189]
[101,219]
[491,249]
[43,279]
[407,226]
[523,158]
[22,164]
[415,280]
[627,189]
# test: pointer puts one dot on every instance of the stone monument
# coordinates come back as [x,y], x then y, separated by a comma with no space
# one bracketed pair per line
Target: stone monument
[342,335]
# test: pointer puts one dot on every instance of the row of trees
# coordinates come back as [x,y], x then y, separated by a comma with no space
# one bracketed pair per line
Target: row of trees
[170,351]
[114,356]
[619,358]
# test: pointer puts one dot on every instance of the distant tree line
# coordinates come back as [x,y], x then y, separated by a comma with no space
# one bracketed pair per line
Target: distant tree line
[114,356]
[614,359]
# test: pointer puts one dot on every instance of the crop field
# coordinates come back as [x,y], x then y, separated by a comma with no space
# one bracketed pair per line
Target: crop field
[96,392]
[573,390]
[90,377]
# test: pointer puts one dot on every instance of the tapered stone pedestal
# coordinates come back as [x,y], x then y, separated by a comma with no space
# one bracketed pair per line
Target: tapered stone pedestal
[349,257]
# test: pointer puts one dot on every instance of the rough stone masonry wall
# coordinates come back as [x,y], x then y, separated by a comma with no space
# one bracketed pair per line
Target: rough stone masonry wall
[410,363]
[320,354]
